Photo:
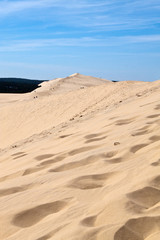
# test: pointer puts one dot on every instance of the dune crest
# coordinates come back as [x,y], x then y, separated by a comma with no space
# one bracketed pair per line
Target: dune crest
[73,82]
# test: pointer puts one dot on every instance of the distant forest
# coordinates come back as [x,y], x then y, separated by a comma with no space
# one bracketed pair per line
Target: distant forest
[18,85]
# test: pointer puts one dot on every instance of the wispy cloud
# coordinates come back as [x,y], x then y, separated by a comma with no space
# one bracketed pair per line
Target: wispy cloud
[8,6]
[78,22]
[23,45]
[121,14]
[142,39]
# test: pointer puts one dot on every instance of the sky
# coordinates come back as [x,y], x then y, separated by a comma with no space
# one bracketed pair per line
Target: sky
[112,39]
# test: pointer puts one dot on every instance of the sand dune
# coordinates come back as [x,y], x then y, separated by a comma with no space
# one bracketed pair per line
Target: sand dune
[63,85]
[81,161]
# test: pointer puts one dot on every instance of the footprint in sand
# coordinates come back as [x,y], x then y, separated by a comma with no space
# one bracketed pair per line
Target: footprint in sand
[20,156]
[138,147]
[112,159]
[43,165]
[95,137]
[18,153]
[156,182]
[95,140]
[77,164]
[65,136]
[115,160]
[144,128]
[156,164]
[13,190]
[32,170]
[81,150]
[92,181]
[139,229]
[112,118]
[34,215]
[154,138]
[146,197]
[44,156]
[157,107]
[142,131]
[153,116]
[157,122]
[124,121]
[52,161]
[109,154]
[89,221]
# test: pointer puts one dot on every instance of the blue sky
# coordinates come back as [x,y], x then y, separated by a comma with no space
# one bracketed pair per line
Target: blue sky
[112,39]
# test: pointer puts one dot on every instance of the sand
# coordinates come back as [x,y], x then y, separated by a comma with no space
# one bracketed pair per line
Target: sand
[81,162]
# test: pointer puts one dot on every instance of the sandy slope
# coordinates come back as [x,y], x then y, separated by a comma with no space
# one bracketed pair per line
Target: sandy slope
[82,165]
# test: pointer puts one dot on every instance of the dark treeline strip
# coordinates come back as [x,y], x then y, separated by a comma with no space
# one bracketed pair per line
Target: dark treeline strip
[18,85]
